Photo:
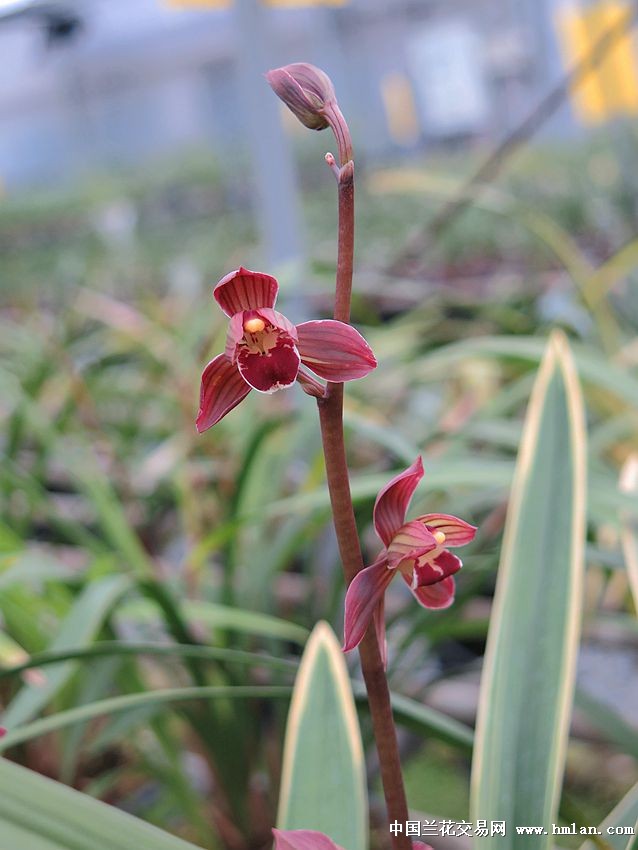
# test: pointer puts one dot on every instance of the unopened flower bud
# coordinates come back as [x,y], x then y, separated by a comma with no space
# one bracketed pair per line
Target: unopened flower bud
[306,90]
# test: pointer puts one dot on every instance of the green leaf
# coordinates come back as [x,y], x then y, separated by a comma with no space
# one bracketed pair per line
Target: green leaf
[32,566]
[132,702]
[221,617]
[422,719]
[80,627]
[623,816]
[323,784]
[528,679]
[39,814]
[122,648]
[593,367]
[611,724]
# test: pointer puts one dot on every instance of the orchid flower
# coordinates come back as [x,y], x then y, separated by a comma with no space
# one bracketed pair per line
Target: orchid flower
[265,351]
[307,839]
[418,550]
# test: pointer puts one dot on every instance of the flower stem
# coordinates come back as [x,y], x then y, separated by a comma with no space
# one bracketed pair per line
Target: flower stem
[331,419]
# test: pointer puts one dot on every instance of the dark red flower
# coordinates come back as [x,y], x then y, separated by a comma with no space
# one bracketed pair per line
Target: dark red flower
[266,352]
[417,549]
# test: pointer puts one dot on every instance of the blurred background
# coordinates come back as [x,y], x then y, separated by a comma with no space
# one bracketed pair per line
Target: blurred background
[142,157]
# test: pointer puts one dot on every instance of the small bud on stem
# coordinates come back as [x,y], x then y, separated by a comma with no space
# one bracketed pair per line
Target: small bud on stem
[332,165]
[308,92]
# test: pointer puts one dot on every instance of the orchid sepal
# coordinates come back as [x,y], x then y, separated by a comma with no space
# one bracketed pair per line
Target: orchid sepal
[222,389]
[365,592]
[244,289]
[393,501]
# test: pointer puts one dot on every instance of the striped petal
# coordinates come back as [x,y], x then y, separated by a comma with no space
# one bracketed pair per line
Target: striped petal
[411,542]
[303,839]
[457,531]
[432,570]
[334,350]
[365,592]
[234,336]
[222,388]
[439,595]
[392,502]
[245,290]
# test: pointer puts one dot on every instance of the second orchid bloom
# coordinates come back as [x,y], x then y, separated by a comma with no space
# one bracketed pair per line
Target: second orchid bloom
[267,352]
[418,550]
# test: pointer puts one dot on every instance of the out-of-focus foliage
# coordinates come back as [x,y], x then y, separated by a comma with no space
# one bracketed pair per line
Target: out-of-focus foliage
[122,530]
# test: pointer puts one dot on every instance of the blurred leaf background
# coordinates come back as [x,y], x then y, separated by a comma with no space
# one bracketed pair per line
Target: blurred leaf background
[140,561]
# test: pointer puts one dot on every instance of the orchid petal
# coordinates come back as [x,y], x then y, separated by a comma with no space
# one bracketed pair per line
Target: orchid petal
[274,370]
[457,531]
[303,839]
[274,321]
[392,502]
[366,590]
[234,335]
[279,321]
[439,595]
[222,389]
[334,350]
[419,845]
[410,542]
[433,570]
[245,290]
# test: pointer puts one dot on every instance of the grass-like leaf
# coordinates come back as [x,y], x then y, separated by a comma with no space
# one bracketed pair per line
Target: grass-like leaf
[528,679]
[133,702]
[624,816]
[64,819]
[323,783]
[81,625]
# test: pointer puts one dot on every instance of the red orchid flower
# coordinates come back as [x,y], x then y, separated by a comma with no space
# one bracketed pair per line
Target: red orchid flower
[265,351]
[416,549]
[307,839]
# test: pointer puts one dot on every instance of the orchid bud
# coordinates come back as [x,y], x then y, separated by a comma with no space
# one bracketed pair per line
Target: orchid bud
[306,90]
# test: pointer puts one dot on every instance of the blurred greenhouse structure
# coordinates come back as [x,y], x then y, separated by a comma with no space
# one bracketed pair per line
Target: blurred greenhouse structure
[110,83]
